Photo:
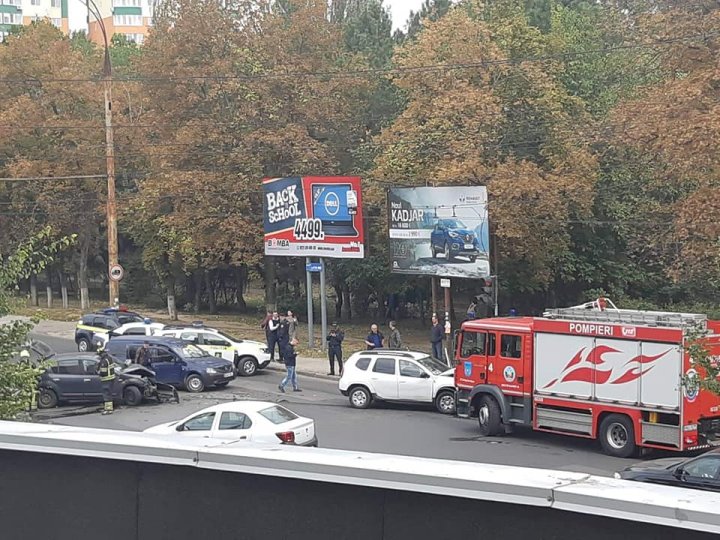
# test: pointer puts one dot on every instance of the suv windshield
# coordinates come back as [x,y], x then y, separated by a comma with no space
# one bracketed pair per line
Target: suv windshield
[193,351]
[453,224]
[229,337]
[432,365]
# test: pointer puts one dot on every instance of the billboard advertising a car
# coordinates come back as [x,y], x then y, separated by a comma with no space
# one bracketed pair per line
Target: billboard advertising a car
[439,231]
[313,216]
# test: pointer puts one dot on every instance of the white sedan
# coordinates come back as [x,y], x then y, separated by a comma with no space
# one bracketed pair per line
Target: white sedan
[256,421]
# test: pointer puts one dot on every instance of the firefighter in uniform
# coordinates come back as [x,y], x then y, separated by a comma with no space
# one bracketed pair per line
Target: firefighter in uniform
[25,357]
[106,370]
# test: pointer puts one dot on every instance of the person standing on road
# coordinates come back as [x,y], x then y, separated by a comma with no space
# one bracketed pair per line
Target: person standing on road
[292,325]
[334,341]
[436,338]
[142,356]
[290,357]
[374,340]
[395,339]
[271,332]
[106,370]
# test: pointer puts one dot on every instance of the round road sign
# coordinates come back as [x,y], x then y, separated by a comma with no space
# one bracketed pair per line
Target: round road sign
[116,272]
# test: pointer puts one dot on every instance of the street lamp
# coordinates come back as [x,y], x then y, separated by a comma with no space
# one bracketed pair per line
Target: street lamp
[109,156]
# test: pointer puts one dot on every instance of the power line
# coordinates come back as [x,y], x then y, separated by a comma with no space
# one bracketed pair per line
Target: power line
[374,71]
[43,178]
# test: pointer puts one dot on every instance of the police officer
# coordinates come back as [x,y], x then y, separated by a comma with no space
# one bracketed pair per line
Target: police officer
[334,341]
[106,370]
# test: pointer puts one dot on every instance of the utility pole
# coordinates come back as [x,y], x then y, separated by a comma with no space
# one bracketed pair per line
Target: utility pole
[114,285]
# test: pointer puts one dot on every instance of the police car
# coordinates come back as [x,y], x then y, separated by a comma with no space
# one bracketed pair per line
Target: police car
[145,328]
[248,356]
[101,322]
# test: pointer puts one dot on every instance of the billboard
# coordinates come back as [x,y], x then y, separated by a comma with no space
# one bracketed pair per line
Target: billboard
[439,231]
[313,216]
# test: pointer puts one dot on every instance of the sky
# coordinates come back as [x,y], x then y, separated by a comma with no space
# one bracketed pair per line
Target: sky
[400,10]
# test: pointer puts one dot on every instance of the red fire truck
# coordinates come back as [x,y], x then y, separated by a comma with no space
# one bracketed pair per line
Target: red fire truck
[591,371]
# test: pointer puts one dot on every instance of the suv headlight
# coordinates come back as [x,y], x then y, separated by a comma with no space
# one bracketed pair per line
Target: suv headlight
[211,371]
[453,234]
[266,350]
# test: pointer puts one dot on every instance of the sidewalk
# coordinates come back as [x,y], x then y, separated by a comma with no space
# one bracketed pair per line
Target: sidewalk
[310,367]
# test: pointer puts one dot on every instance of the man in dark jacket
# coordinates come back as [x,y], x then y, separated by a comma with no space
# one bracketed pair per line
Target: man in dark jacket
[375,339]
[334,342]
[436,338]
[395,339]
[290,357]
[271,332]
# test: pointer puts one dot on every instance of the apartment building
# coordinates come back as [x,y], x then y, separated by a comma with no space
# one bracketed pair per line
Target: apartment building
[23,12]
[132,18]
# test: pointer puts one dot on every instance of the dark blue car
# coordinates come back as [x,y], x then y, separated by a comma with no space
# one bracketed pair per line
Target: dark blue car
[453,239]
[175,361]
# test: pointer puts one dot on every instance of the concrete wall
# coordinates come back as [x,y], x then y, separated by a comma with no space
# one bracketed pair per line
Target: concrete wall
[64,497]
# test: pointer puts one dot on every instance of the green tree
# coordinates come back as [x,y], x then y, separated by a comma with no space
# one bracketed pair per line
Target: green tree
[19,379]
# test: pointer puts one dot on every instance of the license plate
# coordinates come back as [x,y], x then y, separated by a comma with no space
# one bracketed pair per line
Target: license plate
[228,375]
[469,246]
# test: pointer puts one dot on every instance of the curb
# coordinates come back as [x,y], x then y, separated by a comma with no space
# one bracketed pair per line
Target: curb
[280,369]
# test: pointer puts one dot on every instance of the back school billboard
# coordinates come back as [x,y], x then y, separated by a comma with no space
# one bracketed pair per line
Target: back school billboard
[313,216]
[439,231]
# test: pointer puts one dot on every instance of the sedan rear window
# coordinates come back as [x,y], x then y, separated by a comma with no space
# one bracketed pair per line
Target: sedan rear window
[278,415]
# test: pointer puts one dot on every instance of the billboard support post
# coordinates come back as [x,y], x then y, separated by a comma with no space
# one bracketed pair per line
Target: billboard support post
[323,305]
[448,328]
[434,292]
[311,338]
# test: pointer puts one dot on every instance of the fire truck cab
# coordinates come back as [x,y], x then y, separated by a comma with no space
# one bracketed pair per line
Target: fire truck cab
[591,371]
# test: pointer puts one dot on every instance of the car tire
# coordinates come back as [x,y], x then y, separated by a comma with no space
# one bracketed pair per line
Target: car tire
[132,396]
[359,397]
[617,436]
[448,253]
[445,402]
[84,345]
[246,366]
[194,384]
[47,399]
[489,417]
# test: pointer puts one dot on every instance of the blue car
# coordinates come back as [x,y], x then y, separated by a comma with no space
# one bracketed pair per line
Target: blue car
[174,361]
[452,238]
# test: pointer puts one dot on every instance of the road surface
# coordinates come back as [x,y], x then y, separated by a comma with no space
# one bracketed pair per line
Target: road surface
[395,429]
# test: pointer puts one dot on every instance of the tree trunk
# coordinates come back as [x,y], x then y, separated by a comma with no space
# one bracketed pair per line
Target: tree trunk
[63,289]
[270,286]
[241,279]
[48,289]
[197,277]
[338,301]
[346,301]
[170,290]
[82,273]
[33,291]
[211,293]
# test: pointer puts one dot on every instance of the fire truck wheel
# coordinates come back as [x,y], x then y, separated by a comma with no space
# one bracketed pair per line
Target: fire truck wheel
[617,435]
[489,417]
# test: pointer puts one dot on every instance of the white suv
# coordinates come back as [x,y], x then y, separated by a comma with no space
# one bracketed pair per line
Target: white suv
[248,356]
[397,376]
[145,328]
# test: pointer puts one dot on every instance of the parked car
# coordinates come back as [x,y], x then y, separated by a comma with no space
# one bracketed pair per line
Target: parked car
[247,356]
[101,322]
[145,328]
[256,421]
[400,376]
[702,472]
[452,238]
[73,378]
[175,361]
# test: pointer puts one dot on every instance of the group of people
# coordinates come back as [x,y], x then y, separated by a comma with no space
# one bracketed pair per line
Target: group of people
[376,340]
[281,332]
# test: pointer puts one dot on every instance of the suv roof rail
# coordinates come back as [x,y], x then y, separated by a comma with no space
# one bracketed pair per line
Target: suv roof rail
[394,352]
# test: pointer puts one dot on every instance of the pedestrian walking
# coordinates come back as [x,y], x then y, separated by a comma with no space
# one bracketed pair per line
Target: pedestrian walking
[106,370]
[290,357]
[436,338]
[334,342]
[375,339]
[271,332]
[395,339]
[292,325]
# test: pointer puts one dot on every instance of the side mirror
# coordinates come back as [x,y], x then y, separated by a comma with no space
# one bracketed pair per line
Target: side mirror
[180,427]
[424,375]
[679,473]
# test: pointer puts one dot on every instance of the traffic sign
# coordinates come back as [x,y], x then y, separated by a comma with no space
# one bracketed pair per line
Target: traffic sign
[445,283]
[116,272]
[313,267]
